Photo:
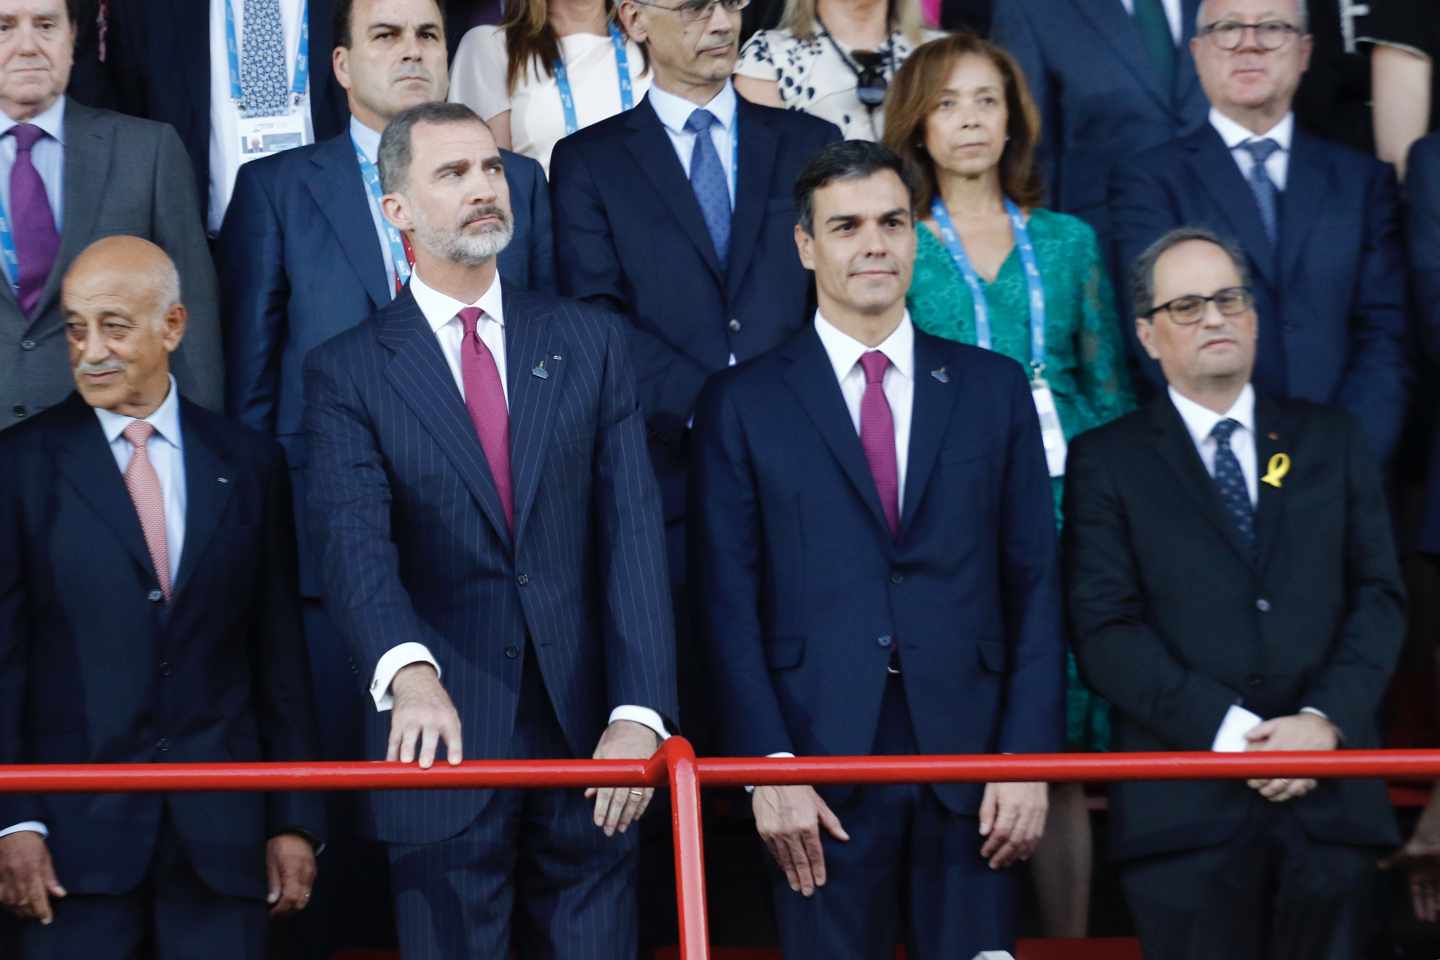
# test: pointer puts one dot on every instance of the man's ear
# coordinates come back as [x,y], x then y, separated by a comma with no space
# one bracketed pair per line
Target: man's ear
[632,22]
[1145,331]
[340,63]
[395,209]
[173,324]
[805,246]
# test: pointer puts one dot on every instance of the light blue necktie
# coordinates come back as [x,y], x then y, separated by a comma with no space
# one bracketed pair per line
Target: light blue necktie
[263,82]
[1230,481]
[1260,183]
[707,179]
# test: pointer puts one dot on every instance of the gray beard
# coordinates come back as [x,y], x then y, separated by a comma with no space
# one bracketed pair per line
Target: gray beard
[461,248]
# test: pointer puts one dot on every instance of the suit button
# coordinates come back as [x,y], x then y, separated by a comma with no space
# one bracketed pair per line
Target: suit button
[512,651]
[163,746]
[27,344]
[1255,680]
[897,577]
[165,670]
[154,596]
[1262,605]
[883,641]
[522,579]
[19,411]
[734,325]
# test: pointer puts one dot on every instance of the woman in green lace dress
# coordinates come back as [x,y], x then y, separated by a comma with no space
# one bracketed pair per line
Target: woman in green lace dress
[960,112]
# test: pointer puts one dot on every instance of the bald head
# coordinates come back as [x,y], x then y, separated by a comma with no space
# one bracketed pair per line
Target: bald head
[123,319]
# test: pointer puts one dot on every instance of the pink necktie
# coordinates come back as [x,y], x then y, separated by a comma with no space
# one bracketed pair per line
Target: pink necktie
[485,399]
[144,486]
[877,437]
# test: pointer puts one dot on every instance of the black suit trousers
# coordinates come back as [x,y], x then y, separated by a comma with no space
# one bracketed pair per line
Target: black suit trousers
[532,873]
[1268,893]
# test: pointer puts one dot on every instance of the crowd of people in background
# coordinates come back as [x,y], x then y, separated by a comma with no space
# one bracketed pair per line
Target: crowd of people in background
[421,381]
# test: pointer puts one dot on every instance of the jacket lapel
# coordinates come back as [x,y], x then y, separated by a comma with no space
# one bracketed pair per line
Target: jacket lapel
[89,142]
[1274,435]
[207,490]
[655,156]
[1301,202]
[531,349]
[759,146]
[1118,28]
[1219,175]
[1187,81]
[339,191]
[1174,445]
[930,418]
[420,375]
[812,379]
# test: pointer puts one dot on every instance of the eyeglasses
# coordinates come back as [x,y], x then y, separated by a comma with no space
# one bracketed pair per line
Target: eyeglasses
[696,11]
[1230,34]
[1187,310]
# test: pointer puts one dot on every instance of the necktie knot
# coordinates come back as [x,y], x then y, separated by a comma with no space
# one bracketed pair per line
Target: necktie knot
[1224,430]
[26,134]
[469,319]
[1260,150]
[875,364]
[138,432]
[701,120]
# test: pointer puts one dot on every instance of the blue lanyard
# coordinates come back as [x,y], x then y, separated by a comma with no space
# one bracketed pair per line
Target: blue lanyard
[622,67]
[8,254]
[371,176]
[977,292]
[302,54]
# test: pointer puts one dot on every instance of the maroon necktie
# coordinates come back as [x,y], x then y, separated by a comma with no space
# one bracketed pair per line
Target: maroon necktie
[485,399]
[877,437]
[32,223]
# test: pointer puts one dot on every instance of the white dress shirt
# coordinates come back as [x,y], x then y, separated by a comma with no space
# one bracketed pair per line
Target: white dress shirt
[673,111]
[225,114]
[1283,133]
[1172,14]
[166,450]
[369,143]
[48,156]
[441,313]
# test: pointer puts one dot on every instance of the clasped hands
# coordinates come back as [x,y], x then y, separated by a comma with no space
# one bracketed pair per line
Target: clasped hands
[789,820]
[423,717]
[1301,731]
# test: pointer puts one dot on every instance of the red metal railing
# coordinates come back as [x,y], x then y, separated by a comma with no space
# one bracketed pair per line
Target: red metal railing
[676,765]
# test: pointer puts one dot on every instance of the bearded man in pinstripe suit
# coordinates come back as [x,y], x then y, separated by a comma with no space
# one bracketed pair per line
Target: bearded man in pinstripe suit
[491,546]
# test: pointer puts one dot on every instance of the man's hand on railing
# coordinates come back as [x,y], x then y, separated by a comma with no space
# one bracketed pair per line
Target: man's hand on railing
[1302,731]
[422,717]
[617,807]
[27,877]
[1420,858]
[1012,821]
[290,870]
[789,821]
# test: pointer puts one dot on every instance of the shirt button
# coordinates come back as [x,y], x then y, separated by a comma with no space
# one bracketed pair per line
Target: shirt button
[512,651]
[18,410]
[522,579]
[27,344]
[883,641]
[734,325]
[1262,605]
[165,670]
[163,746]
[154,596]
[897,577]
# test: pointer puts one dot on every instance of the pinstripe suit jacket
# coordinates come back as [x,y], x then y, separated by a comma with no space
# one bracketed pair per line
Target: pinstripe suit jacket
[413,546]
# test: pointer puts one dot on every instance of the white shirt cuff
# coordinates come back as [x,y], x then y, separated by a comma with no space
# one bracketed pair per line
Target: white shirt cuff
[34,826]
[641,715]
[1230,738]
[782,753]
[394,660]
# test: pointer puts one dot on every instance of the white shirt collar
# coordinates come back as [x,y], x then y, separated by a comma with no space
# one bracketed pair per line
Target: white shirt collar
[165,419]
[845,351]
[51,120]
[1234,134]
[366,139]
[673,111]
[440,308]
[1200,421]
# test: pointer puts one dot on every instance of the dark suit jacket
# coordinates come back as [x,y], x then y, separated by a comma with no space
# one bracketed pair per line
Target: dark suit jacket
[1099,99]
[1331,301]
[95,668]
[1422,182]
[1174,620]
[629,237]
[804,592]
[300,262]
[413,545]
[161,53]
[122,176]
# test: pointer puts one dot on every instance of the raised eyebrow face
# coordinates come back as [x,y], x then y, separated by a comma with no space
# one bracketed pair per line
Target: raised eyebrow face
[376,30]
[853,219]
[490,164]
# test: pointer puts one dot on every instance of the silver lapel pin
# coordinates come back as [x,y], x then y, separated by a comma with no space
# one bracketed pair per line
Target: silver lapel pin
[539,371]
[223,479]
[940,374]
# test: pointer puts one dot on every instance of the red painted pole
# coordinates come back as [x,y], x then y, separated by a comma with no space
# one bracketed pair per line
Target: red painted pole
[689,849]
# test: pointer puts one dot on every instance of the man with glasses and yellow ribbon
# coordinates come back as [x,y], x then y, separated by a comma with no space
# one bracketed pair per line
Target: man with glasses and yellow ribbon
[1232,586]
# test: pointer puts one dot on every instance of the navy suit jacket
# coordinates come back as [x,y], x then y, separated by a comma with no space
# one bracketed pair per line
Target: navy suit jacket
[630,237]
[1422,182]
[160,53]
[96,668]
[413,545]
[1098,97]
[1331,300]
[300,262]
[804,592]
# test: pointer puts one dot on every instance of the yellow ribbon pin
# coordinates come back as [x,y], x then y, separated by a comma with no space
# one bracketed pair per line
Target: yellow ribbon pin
[1276,469]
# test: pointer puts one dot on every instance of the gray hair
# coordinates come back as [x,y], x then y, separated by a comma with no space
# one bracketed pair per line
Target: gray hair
[1142,277]
[1302,12]
[396,143]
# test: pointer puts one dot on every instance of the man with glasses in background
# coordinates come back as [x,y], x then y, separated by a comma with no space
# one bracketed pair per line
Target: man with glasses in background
[1265,613]
[1318,221]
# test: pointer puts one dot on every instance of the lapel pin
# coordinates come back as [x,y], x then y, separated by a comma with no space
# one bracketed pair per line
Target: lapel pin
[540,371]
[1276,469]
[1273,435]
[940,374]
[223,479]
[556,357]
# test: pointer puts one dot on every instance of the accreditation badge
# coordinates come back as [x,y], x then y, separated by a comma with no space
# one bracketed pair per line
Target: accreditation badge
[263,136]
[1050,431]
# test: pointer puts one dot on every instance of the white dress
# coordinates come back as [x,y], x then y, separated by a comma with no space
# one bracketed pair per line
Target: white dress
[537,120]
[814,78]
